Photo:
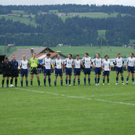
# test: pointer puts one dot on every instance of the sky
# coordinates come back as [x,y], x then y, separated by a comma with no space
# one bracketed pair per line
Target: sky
[49,2]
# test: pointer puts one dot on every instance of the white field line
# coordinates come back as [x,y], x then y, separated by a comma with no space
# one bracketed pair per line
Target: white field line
[81,97]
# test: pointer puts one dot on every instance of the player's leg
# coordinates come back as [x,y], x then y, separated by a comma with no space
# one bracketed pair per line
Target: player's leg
[56,74]
[44,79]
[15,81]
[16,77]
[49,80]
[7,81]
[108,80]
[128,74]
[79,80]
[85,73]
[98,79]
[12,76]
[133,77]
[104,74]
[88,79]
[21,81]
[3,79]
[37,75]
[122,78]
[69,79]
[26,77]
[95,78]
[61,79]
[66,80]
[74,79]
[117,74]
[31,79]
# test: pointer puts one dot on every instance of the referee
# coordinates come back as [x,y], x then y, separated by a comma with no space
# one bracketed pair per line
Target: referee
[33,63]
[14,70]
[6,68]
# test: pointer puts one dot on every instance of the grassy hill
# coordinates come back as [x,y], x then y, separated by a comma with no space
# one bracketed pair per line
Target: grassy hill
[111,51]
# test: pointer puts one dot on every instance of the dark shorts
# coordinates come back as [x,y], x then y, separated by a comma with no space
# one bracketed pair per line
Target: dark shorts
[77,72]
[14,73]
[106,73]
[34,71]
[87,71]
[131,69]
[58,72]
[6,74]
[98,71]
[68,71]
[24,72]
[119,70]
[47,72]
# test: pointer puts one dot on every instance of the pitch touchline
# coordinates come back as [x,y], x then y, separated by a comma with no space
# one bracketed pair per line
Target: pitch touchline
[81,97]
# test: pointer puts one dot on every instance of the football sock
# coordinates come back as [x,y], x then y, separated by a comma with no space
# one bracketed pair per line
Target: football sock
[61,82]
[116,79]
[132,79]
[84,80]
[78,81]
[44,81]
[95,80]
[31,82]
[49,80]
[98,79]
[38,82]
[122,79]
[66,80]
[26,82]
[107,80]
[11,81]
[54,83]
[74,81]
[15,82]
[103,80]
[88,80]
[7,82]
[2,82]
[127,78]
[69,81]
[21,83]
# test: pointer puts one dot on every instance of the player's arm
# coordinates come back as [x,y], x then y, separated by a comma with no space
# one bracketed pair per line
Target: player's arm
[109,67]
[114,63]
[92,63]
[2,66]
[122,63]
[64,63]
[102,66]
[62,66]
[82,61]
[73,63]
[127,64]
[29,63]
[43,63]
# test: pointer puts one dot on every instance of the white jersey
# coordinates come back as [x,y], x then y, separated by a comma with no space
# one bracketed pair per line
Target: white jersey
[87,62]
[77,63]
[97,62]
[47,63]
[119,62]
[24,64]
[58,63]
[68,62]
[131,62]
[106,65]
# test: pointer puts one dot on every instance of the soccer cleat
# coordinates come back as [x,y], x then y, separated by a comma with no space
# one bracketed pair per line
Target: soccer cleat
[7,86]
[98,84]
[103,84]
[123,83]
[31,85]
[108,83]
[50,85]
[133,83]
[2,86]
[15,85]
[65,84]
[73,84]
[89,84]
[116,84]
[39,85]
[79,85]
[69,84]
[84,84]
[126,82]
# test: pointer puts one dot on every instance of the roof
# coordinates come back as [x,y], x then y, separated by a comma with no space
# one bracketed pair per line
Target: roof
[41,56]
[18,53]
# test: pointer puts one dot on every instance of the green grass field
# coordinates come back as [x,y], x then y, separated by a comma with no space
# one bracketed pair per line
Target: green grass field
[75,110]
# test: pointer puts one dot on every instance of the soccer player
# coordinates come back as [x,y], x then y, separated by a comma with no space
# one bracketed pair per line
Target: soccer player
[33,63]
[6,68]
[14,70]
[68,65]
[47,68]
[106,68]
[58,67]
[24,70]
[119,68]
[77,69]
[97,64]
[130,67]
[86,63]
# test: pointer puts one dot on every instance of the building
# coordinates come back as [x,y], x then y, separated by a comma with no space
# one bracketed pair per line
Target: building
[44,13]
[76,15]
[131,45]
[62,14]
[40,52]
[12,14]
[10,44]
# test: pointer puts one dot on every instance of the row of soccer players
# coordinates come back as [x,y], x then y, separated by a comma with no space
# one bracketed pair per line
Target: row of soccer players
[10,68]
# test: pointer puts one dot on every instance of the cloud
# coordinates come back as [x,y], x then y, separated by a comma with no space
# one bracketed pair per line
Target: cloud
[45,2]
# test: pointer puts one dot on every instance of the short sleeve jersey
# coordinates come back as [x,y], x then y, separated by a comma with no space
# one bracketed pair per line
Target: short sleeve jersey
[58,63]
[97,62]
[77,64]
[47,63]
[131,62]
[68,63]
[24,64]
[106,65]
[34,62]
[119,62]
[87,62]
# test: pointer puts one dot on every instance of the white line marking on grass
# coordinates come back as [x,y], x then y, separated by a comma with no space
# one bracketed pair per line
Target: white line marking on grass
[79,97]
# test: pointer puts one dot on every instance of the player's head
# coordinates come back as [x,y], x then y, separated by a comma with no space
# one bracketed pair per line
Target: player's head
[98,55]
[13,58]
[24,57]
[77,56]
[119,55]
[33,55]
[86,54]
[106,57]
[70,56]
[58,56]
[131,54]
[48,55]
[7,59]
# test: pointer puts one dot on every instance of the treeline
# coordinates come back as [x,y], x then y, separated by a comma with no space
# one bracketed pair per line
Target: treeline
[51,30]
[67,8]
